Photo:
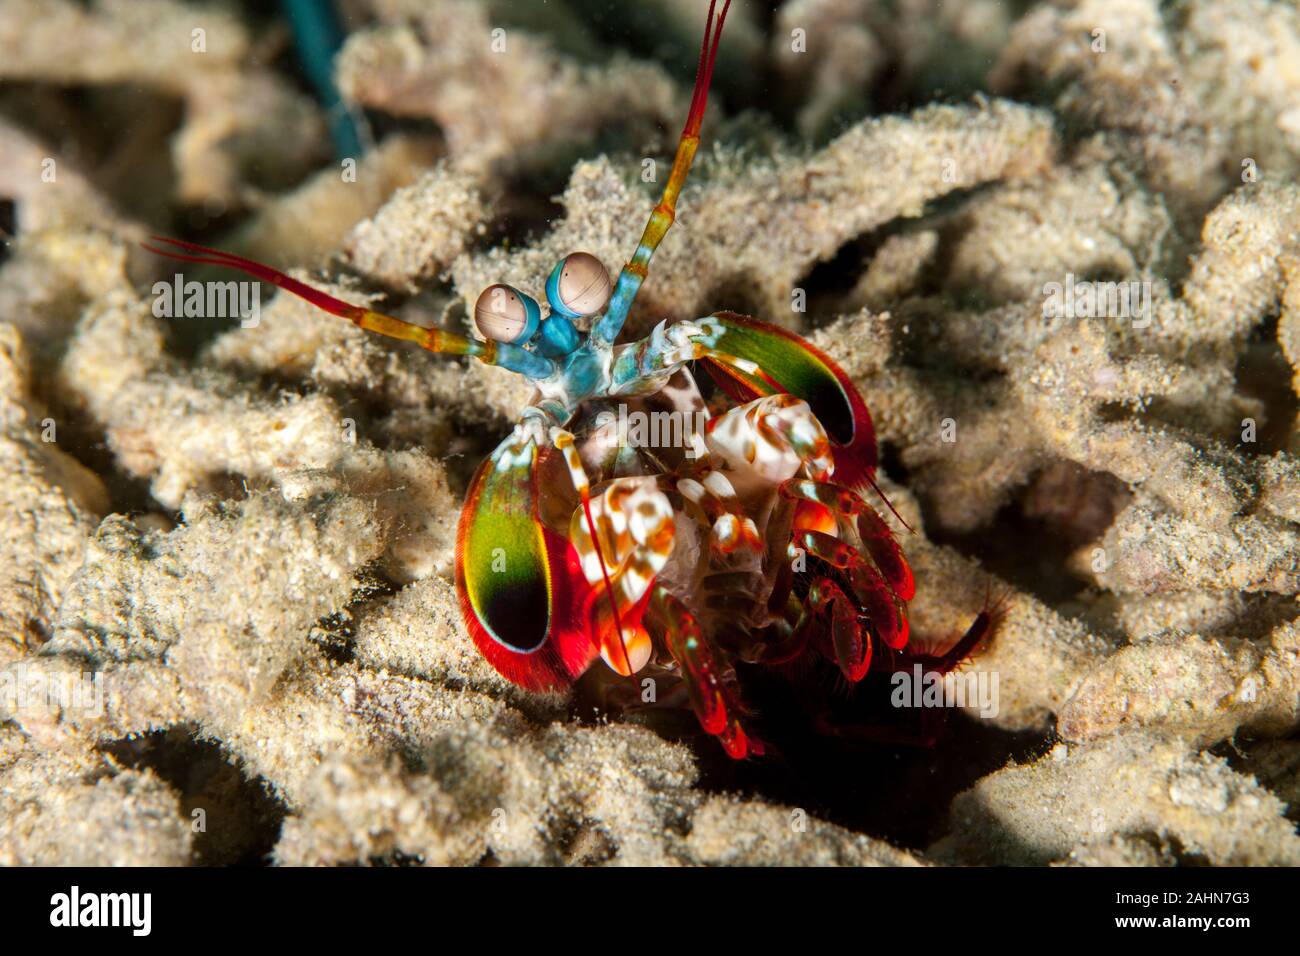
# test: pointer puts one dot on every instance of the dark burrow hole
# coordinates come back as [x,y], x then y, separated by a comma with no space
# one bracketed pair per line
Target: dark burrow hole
[841,753]
[831,281]
[899,791]
[240,819]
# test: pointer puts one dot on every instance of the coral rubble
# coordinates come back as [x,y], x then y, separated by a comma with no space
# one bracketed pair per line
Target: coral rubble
[242,536]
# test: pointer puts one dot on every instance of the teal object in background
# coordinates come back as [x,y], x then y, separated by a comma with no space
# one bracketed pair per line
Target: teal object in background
[319,34]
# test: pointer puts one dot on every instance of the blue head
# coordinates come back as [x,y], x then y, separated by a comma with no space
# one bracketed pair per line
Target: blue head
[578,287]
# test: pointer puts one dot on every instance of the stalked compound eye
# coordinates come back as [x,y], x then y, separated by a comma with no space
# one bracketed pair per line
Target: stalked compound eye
[504,314]
[578,285]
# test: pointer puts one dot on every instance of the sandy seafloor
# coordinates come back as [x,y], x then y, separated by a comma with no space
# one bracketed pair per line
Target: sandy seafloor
[240,540]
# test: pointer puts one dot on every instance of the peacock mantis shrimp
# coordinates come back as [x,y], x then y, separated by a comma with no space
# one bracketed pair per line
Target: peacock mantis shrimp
[749,540]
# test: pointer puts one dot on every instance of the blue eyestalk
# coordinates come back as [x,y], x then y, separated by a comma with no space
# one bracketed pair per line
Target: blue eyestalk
[558,337]
[553,296]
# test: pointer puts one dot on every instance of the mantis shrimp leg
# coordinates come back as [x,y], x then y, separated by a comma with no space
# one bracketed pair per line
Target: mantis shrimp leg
[710,680]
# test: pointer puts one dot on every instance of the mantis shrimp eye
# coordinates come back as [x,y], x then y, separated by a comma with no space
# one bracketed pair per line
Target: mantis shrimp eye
[578,285]
[504,314]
